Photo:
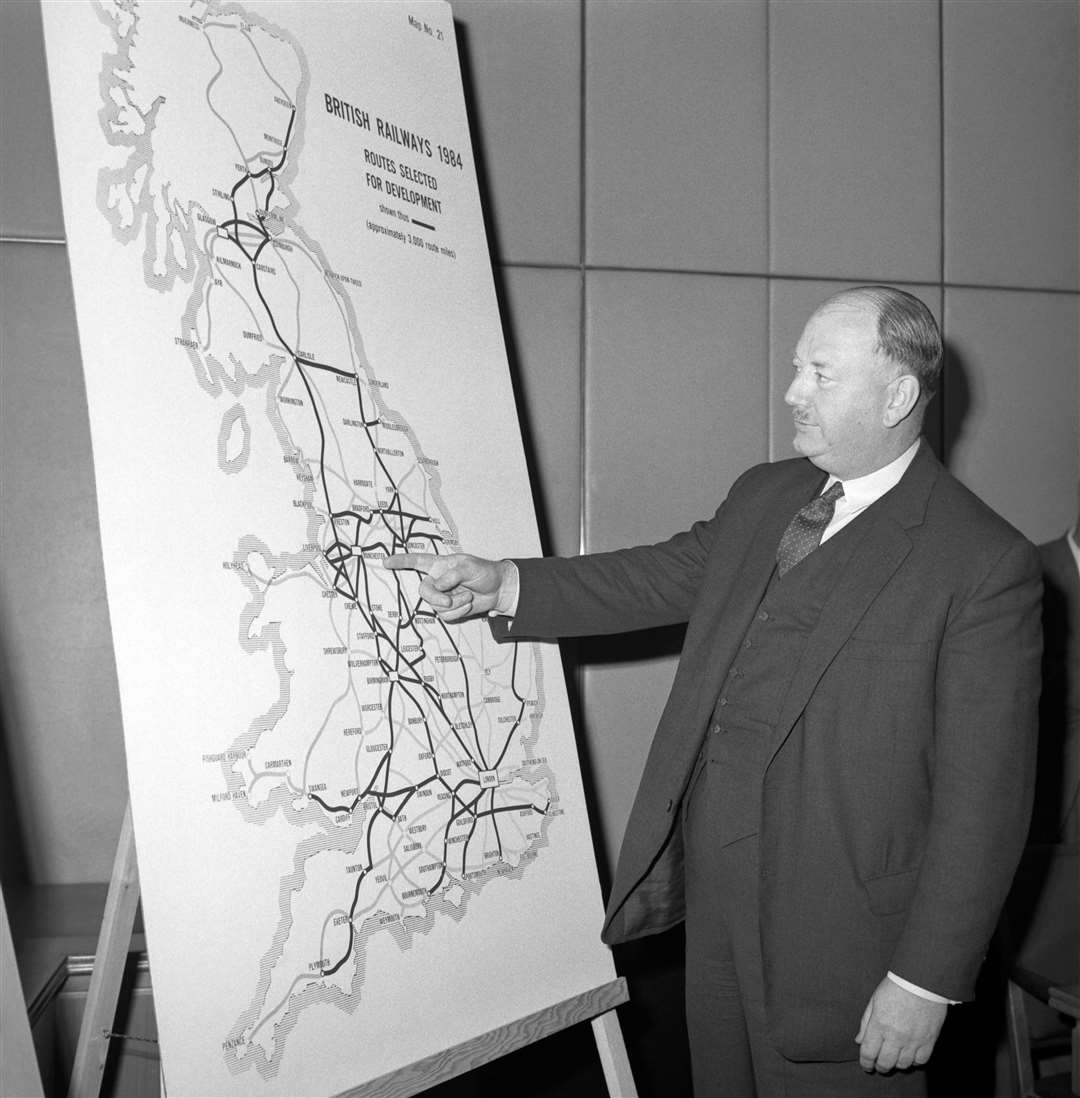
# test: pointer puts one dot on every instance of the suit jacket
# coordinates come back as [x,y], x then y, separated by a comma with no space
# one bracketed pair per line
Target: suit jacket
[1057,798]
[897,797]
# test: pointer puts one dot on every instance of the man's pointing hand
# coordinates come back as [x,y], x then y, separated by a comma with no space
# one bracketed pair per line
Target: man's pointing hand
[458,586]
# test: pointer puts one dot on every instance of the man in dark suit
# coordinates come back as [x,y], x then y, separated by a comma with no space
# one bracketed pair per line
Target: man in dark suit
[839,788]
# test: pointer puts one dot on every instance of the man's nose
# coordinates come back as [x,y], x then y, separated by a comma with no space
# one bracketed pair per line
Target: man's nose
[794,396]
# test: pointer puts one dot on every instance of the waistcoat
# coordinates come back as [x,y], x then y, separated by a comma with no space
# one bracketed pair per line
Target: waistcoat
[742,734]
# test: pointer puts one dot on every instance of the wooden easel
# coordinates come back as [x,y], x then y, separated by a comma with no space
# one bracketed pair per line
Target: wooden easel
[597,1006]
[114,941]
[20,1076]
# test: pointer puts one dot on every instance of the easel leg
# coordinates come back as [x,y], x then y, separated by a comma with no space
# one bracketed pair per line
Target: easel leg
[114,942]
[19,1072]
[613,1057]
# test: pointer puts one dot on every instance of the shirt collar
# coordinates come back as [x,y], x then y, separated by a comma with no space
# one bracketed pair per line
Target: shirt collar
[862,491]
[1070,537]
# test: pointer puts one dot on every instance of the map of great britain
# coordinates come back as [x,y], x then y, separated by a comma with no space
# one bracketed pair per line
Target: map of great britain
[406,753]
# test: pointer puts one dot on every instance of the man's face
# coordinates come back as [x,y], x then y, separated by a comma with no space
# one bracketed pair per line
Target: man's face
[839,393]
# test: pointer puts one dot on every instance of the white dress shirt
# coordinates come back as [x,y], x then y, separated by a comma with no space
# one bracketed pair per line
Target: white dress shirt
[860,492]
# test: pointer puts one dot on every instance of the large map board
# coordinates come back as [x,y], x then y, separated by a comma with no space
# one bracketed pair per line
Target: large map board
[361,833]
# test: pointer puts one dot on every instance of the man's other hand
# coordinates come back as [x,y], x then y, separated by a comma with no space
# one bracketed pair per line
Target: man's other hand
[898,1028]
[456,586]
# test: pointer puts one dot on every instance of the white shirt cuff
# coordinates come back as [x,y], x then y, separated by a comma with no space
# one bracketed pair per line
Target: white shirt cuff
[907,985]
[507,601]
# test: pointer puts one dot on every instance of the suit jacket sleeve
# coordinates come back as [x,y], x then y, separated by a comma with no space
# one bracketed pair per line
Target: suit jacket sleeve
[638,588]
[981,774]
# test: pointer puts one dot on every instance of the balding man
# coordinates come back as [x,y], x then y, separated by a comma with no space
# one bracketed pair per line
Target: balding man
[839,788]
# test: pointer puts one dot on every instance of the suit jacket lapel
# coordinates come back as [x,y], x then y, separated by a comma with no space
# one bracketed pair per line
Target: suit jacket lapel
[879,551]
[735,592]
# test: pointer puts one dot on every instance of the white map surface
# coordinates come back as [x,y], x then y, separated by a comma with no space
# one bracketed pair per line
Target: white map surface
[361,833]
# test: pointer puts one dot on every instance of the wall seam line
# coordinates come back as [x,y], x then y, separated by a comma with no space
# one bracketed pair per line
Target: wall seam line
[781,276]
[941,221]
[770,434]
[582,292]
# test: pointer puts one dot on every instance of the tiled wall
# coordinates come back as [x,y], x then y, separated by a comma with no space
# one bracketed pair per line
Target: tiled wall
[671,187]
[711,171]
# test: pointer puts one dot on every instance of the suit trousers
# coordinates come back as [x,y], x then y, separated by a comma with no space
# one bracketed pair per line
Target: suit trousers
[725,999]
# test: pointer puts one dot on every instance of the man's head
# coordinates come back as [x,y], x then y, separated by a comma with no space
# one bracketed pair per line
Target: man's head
[866,366]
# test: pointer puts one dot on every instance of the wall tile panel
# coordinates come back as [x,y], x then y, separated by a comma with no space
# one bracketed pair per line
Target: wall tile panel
[675,135]
[675,399]
[1012,167]
[854,150]
[543,321]
[622,701]
[29,185]
[790,304]
[525,110]
[1011,418]
[61,707]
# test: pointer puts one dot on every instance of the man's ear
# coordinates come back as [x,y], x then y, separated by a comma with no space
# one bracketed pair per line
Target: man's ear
[904,392]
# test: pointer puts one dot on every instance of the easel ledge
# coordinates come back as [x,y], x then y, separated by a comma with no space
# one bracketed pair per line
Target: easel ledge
[597,1005]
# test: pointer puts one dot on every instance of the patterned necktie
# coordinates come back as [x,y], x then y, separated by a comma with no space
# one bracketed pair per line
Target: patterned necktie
[803,534]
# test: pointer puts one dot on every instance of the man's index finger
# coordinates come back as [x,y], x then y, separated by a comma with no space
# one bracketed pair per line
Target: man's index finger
[418,562]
